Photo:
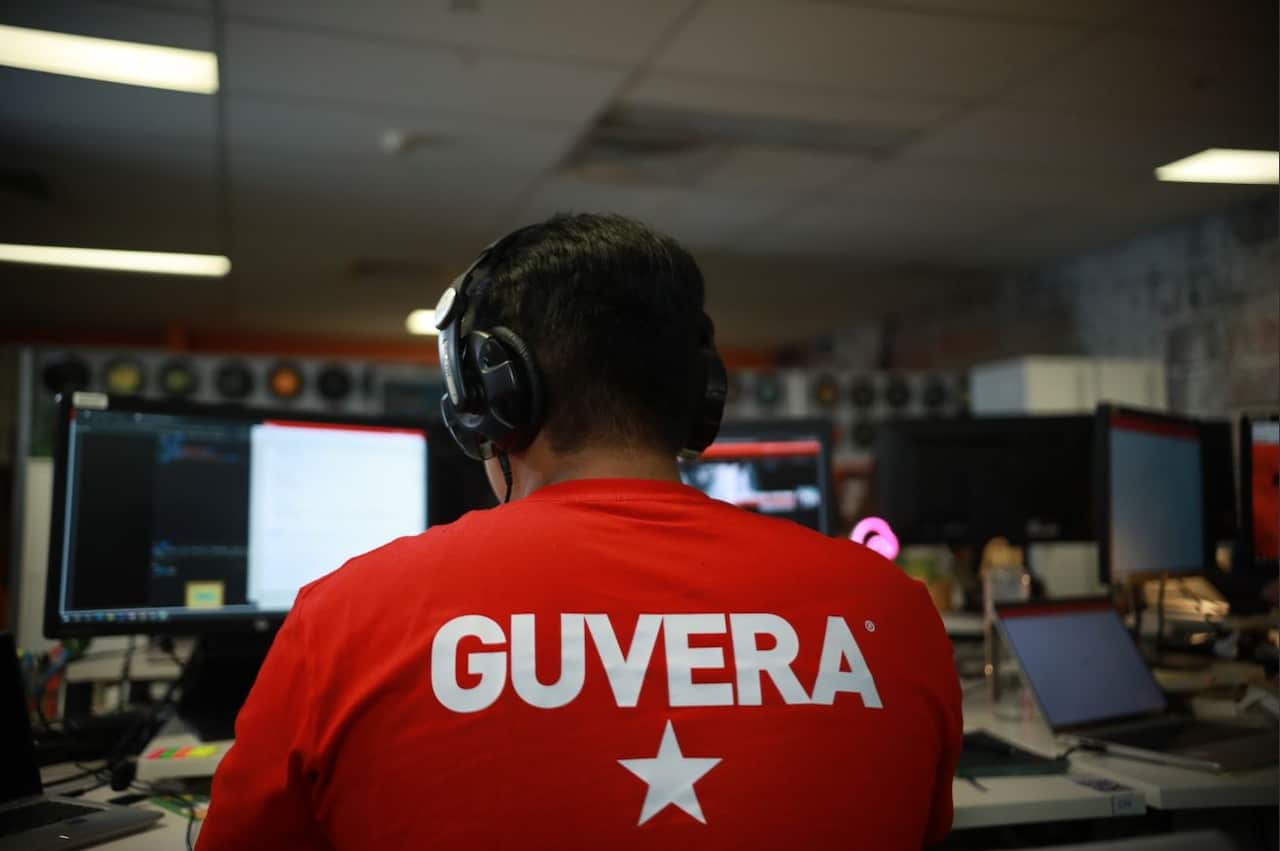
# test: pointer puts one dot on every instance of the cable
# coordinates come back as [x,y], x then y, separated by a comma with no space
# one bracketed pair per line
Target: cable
[125,670]
[1164,577]
[146,723]
[191,822]
[1083,746]
[42,688]
[505,463]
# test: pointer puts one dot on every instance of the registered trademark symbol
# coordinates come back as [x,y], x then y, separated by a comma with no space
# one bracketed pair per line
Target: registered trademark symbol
[870,625]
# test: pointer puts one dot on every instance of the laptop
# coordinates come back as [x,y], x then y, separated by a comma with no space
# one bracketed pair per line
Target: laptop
[1095,691]
[29,819]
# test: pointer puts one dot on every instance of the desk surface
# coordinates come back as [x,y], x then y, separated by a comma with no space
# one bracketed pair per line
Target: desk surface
[1083,794]
[1004,801]
[1165,787]
[167,834]
[998,801]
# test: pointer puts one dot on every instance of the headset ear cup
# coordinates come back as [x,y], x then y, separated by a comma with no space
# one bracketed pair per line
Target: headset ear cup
[531,381]
[710,393]
[710,410]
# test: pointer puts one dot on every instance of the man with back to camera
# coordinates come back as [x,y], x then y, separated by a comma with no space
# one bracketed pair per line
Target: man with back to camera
[612,659]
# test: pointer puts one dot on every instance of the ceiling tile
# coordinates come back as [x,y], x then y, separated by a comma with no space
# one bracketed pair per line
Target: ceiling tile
[275,61]
[167,203]
[1125,74]
[776,100]
[1252,20]
[1096,220]
[191,29]
[1063,11]
[702,220]
[778,172]
[423,209]
[452,141]
[130,121]
[859,49]
[616,32]
[1124,146]
[564,194]
[916,179]
[879,230]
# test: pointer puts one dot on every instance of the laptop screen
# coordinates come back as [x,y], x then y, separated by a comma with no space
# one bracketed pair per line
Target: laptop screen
[19,776]
[1080,662]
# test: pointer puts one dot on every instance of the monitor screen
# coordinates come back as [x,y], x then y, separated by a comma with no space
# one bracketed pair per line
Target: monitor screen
[776,469]
[1154,496]
[966,481]
[1062,646]
[188,517]
[1261,477]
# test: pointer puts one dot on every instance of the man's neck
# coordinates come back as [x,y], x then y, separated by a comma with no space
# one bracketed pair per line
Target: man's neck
[539,469]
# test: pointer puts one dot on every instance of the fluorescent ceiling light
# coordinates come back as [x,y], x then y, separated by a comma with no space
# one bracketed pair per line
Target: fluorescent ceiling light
[1224,165]
[154,262]
[106,59]
[421,322]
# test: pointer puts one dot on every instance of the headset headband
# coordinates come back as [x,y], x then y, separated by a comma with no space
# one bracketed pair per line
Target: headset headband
[453,305]
[494,392]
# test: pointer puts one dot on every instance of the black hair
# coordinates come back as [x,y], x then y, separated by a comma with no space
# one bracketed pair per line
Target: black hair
[612,312]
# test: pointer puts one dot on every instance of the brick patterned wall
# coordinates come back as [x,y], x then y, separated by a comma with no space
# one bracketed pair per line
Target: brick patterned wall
[1202,295]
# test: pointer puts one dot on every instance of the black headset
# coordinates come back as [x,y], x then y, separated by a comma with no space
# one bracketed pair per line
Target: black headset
[493,402]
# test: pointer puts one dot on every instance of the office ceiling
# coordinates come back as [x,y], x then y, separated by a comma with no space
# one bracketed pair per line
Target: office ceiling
[828,161]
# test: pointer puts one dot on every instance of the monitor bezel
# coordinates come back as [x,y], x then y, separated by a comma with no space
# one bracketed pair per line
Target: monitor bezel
[909,433]
[265,622]
[1102,491]
[783,428]
[1075,604]
[1248,558]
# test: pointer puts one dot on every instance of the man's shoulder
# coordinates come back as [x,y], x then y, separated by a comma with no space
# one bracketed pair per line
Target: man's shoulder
[806,543]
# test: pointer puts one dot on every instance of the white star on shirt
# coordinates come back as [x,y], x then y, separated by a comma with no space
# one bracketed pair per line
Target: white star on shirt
[670,776]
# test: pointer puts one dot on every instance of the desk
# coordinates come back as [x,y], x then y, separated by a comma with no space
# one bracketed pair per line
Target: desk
[1005,801]
[168,834]
[1164,787]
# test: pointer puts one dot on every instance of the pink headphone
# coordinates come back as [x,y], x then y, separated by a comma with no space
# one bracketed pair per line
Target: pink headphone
[874,534]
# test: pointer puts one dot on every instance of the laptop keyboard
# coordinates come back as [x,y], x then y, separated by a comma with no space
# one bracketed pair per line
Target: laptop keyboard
[1173,735]
[39,814]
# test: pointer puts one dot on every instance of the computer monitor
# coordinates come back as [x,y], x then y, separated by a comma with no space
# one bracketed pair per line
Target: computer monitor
[779,468]
[1150,482]
[1217,439]
[1260,492]
[178,518]
[966,481]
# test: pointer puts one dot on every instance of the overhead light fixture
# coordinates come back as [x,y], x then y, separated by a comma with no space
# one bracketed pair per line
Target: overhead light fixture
[421,322]
[128,62]
[151,262]
[1224,165]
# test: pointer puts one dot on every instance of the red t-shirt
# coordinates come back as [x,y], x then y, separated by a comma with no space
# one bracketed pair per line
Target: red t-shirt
[604,663]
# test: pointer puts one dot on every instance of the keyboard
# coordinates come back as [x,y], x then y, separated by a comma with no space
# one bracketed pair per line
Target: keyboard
[39,814]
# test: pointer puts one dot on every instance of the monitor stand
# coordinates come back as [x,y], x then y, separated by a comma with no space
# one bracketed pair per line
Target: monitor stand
[217,680]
